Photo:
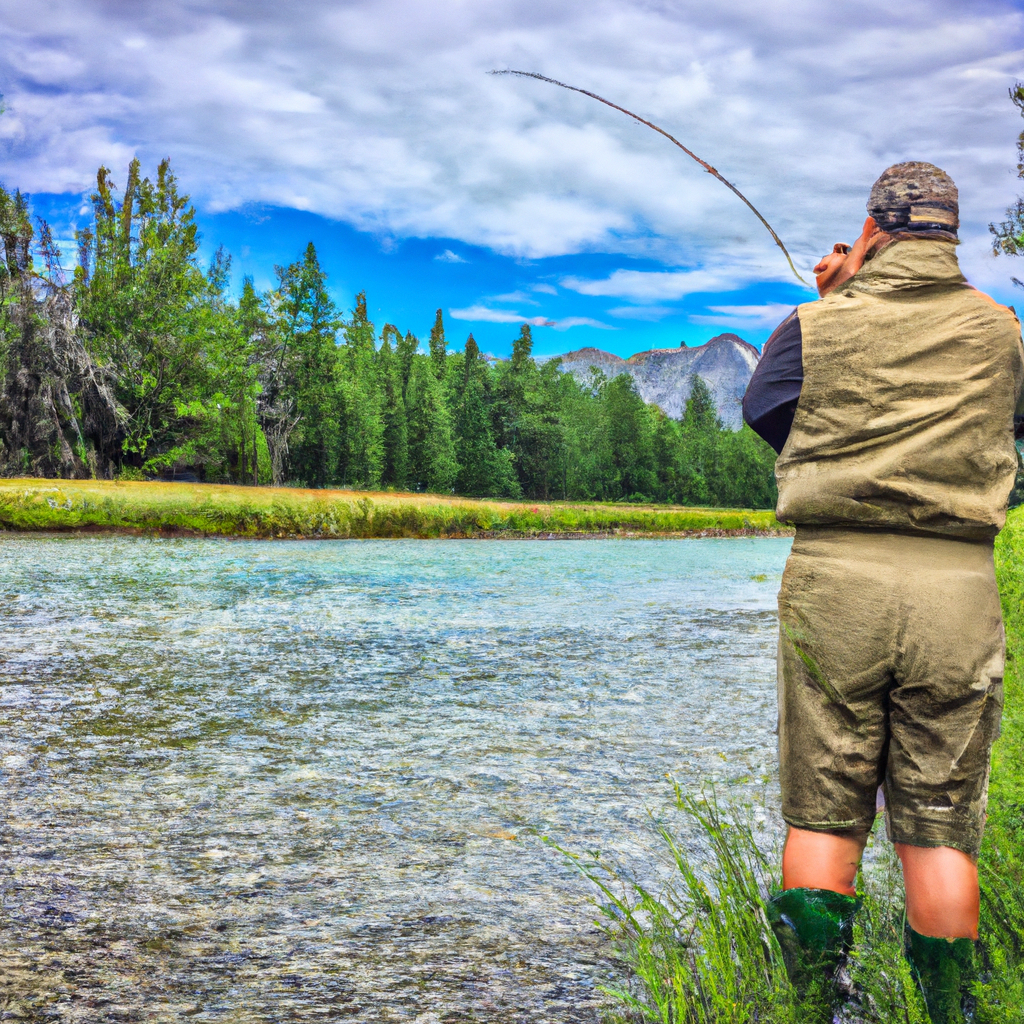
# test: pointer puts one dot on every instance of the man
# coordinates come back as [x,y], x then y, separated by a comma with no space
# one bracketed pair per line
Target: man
[891,402]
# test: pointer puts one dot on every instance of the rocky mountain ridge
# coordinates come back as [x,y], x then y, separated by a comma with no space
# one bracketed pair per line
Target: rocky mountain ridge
[664,376]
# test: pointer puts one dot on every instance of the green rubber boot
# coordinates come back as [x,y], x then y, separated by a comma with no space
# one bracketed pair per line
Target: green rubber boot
[815,930]
[945,969]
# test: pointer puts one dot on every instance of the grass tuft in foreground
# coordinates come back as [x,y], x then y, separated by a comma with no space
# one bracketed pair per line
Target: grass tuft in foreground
[703,953]
[703,950]
[222,510]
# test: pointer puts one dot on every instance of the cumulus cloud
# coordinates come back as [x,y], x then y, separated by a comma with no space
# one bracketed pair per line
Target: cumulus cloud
[381,114]
[516,296]
[641,312]
[651,285]
[449,257]
[498,316]
[506,316]
[768,315]
[580,321]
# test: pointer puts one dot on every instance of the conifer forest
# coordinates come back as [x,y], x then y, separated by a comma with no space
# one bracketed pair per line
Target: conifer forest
[143,364]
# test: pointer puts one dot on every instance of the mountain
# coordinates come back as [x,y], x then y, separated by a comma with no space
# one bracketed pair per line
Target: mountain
[663,375]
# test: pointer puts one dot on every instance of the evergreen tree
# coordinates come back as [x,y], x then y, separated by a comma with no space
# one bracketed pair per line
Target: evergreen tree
[431,442]
[745,470]
[405,350]
[630,436]
[58,415]
[396,428]
[510,404]
[147,311]
[363,415]
[484,469]
[701,429]
[586,463]
[308,325]
[254,329]
[439,348]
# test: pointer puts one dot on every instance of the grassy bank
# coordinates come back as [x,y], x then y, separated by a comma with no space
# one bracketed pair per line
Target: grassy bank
[208,509]
[703,953]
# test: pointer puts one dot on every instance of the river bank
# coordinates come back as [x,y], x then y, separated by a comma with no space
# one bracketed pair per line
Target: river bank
[186,509]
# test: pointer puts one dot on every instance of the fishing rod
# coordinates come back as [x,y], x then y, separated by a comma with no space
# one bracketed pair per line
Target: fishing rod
[661,131]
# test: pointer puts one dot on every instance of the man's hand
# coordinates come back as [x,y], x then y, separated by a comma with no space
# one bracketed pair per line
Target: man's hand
[844,261]
[872,238]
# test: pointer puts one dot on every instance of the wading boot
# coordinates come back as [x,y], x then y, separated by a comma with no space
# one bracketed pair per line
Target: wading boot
[945,969]
[815,930]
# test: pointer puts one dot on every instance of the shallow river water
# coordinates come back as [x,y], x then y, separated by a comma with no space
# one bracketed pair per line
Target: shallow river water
[277,781]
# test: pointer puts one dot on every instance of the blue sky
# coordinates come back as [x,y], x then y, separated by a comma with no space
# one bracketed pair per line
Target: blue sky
[372,129]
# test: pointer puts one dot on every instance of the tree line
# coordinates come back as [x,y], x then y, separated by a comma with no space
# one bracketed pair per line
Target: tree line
[142,364]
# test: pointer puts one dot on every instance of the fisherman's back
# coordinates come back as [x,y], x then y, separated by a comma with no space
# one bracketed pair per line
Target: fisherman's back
[905,415]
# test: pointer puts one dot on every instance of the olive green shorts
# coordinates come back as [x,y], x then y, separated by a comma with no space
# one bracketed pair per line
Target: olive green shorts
[891,653]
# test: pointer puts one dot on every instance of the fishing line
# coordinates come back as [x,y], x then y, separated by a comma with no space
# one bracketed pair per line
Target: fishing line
[661,131]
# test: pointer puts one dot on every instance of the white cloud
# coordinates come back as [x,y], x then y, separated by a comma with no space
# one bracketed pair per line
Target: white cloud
[651,285]
[546,289]
[641,312]
[449,257]
[580,321]
[498,316]
[505,316]
[768,315]
[381,114]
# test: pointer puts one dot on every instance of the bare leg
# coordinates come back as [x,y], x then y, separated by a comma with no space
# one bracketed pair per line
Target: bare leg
[942,891]
[820,860]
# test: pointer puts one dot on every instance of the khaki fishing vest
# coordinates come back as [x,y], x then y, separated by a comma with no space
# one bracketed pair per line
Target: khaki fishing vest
[905,418]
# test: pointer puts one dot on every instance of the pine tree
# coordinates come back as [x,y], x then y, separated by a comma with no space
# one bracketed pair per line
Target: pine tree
[631,439]
[511,397]
[396,428]
[700,430]
[439,348]
[309,324]
[362,398]
[484,468]
[254,328]
[431,443]
[150,314]
[405,350]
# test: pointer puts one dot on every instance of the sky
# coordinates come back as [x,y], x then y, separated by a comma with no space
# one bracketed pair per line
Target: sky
[373,129]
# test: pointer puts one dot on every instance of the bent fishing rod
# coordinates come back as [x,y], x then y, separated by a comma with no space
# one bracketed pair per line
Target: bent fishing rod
[661,131]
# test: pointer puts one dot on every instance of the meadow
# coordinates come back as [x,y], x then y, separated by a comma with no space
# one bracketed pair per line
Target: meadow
[286,512]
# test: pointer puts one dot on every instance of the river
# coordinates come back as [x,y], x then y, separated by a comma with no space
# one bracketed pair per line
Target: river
[290,781]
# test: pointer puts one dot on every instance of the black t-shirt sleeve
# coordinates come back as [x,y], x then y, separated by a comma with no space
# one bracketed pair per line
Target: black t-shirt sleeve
[770,401]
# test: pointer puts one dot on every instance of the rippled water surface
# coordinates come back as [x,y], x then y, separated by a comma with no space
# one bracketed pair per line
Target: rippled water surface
[305,781]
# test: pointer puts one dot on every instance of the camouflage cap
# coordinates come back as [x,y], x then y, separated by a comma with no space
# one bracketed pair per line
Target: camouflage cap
[918,198]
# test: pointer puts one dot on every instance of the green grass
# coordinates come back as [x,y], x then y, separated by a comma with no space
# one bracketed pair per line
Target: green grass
[702,951]
[208,509]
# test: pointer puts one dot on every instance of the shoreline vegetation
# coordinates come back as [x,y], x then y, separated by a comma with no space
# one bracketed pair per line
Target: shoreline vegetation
[187,509]
[702,951]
